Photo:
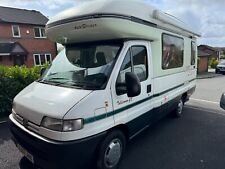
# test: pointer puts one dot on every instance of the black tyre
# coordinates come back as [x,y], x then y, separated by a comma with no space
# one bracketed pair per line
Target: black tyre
[179,109]
[111,150]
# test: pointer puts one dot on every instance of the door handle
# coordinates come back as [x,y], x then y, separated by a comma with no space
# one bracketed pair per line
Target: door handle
[149,88]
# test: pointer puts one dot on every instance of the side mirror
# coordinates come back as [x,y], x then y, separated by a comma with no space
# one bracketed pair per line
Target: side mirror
[42,71]
[222,101]
[133,84]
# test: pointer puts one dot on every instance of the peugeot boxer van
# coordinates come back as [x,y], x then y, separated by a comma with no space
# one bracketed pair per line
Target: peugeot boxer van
[125,65]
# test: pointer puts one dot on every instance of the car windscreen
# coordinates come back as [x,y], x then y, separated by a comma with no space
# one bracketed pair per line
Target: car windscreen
[222,63]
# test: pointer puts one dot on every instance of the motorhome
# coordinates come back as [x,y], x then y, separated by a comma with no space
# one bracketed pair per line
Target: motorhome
[125,65]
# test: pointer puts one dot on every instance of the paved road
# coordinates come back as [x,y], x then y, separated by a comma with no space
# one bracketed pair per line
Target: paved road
[9,155]
[210,89]
[195,141]
[208,93]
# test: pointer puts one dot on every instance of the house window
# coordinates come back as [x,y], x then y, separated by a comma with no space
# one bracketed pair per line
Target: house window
[193,53]
[172,51]
[41,59]
[39,33]
[16,31]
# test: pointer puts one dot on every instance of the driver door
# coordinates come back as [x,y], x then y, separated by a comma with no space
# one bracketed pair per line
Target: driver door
[134,111]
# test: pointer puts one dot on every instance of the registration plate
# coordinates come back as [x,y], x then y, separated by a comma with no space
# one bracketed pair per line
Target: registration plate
[25,153]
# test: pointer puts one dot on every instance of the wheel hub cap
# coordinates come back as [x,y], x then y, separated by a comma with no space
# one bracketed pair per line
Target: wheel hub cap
[113,153]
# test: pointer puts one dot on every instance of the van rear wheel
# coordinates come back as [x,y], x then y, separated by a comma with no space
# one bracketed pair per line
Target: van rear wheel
[111,150]
[179,109]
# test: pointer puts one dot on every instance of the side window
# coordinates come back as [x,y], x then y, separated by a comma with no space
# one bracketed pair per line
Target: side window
[193,53]
[134,61]
[126,67]
[139,54]
[172,51]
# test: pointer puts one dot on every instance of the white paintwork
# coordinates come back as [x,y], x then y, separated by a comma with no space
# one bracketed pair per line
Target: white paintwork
[39,100]
[136,8]
[111,27]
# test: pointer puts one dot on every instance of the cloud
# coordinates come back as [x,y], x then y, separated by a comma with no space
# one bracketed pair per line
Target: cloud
[206,16]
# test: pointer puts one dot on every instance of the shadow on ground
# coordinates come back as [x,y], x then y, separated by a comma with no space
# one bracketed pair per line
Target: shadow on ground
[4,132]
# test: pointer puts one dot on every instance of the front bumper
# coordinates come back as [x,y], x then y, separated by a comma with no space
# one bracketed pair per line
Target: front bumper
[220,69]
[57,155]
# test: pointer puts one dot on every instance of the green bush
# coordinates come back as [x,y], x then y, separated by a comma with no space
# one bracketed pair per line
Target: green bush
[213,63]
[12,81]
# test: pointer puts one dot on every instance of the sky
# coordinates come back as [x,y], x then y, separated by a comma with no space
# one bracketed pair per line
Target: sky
[205,16]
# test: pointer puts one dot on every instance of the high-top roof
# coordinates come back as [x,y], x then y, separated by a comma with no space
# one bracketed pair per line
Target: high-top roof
[22,16]
[133,8]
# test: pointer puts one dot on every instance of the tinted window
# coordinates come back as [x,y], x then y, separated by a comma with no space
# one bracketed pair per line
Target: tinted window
[16,31]
[37,32]
[36,59]
[42,59]
[48,58]
[134,61]
[139,54]
[222,63]
[126,67]
[173,51]
[193,53]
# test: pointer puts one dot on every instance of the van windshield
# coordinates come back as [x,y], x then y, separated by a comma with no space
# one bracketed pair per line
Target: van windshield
[83,66]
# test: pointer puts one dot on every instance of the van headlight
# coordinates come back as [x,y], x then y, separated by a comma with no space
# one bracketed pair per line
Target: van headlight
[62,125]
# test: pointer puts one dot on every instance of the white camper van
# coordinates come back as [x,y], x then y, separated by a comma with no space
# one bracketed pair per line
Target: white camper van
[125,65]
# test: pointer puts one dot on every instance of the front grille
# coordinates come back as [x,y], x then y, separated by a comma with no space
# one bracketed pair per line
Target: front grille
[27,124]
[221,68]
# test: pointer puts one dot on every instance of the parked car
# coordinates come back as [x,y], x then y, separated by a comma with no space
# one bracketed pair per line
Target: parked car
[220,68]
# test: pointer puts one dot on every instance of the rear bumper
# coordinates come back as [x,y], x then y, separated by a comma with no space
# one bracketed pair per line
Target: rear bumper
[52,154]
[189,93]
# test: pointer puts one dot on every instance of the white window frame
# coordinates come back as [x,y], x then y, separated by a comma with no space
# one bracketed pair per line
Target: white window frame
[39,29]
[16,36]
[46,60]
[39,58]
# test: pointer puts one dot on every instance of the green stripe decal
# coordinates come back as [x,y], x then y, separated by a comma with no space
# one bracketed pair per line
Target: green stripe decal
[109,114]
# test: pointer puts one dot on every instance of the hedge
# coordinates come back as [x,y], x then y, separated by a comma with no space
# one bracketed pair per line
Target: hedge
[213,63]
[12,81]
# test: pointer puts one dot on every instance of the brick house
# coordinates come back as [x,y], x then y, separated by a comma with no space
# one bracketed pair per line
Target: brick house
[215,52]
[22,38]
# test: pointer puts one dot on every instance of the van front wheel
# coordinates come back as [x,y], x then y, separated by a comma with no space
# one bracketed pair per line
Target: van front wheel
[111,150]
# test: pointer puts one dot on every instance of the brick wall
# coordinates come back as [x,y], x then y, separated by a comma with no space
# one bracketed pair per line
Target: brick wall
[5,60]
[28,41]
